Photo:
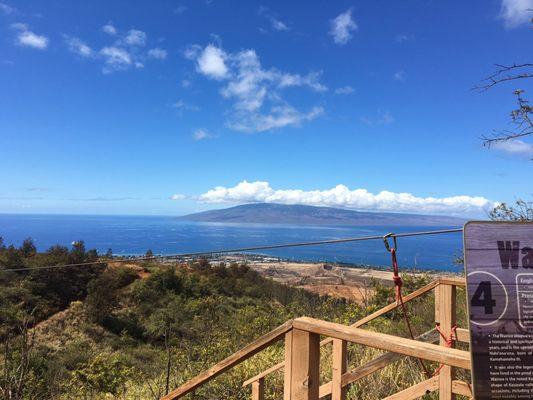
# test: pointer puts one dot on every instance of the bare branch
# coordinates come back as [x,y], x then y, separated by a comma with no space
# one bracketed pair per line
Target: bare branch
[503,74]
[488,141]
[521,117]
[521,211]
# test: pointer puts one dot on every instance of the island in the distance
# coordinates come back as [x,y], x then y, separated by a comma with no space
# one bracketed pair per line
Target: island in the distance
[269,213]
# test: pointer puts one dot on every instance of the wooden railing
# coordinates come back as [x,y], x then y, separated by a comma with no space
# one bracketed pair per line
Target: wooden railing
[302,354]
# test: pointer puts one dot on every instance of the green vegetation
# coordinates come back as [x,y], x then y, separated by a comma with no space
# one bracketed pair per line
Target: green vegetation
[98,331]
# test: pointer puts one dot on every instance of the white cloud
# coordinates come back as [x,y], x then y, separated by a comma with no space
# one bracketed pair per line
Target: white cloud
[342,27]
[399,76]
[178,196]
[78,47]
[123,52]
[211,62]
[192,52]
[255,91]
[135,37]
[275,22]
[311,80]
[20,26]
[515,148]
[201,134]
[516,12]
[181,106]
[157,53]
[115,59]
[344,90]
[278,117]
[7,9]
[342,196]
[385,119]
[278,25]
[30,39]
[109,29]
[27,38]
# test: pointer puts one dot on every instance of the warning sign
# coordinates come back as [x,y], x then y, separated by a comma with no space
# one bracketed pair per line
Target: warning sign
[499,270]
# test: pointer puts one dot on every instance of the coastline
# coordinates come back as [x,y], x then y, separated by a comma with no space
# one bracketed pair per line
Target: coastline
[352,282]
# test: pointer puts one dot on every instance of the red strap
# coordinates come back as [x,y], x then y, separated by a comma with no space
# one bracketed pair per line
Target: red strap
[397,279]
[448,341]
[398,283]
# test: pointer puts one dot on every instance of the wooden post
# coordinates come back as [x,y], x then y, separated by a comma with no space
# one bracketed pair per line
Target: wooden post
[287,377]
[258,389]
[304,366]
[338,369]
[445,315]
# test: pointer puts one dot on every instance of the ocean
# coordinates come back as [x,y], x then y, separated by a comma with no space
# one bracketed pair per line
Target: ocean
[133,235]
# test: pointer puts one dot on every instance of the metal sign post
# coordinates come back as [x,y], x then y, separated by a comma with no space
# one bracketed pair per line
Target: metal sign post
[499,270]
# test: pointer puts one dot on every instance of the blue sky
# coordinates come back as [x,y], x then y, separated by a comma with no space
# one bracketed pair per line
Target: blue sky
[169,107]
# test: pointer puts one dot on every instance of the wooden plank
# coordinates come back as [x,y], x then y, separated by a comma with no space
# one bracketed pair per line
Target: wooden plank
[382,361]
[305,368]
[361,322]
[409,347]
[445,296]
[452,280]
[339,365]
[258,389]
[236,358]
[325,390]
[376,364]
[463,335]
[416,391]
[266,372]
[287,378]
[462,388]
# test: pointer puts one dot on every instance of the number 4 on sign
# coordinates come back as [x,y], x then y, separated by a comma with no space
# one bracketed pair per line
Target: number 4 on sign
[483,297]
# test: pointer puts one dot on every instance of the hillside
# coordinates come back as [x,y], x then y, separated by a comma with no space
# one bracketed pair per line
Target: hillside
[135,331]
[308,215]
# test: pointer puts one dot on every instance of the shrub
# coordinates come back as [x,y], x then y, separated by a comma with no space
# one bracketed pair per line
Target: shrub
[104,374]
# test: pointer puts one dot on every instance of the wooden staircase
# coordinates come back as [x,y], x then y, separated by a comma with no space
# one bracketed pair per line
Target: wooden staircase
[301,367]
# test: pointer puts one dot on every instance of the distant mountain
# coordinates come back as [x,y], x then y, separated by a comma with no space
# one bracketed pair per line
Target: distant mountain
[308,215]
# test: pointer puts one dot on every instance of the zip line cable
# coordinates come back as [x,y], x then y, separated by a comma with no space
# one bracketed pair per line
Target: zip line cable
[244,249]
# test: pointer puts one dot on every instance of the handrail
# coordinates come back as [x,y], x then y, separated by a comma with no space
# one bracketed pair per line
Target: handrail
[236,358]
[452,280]
[416,391]
[382,361]
[357,324]
[383,341]
[266,372]
[396,346]
[375,364]
[462,388]
[463,335]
